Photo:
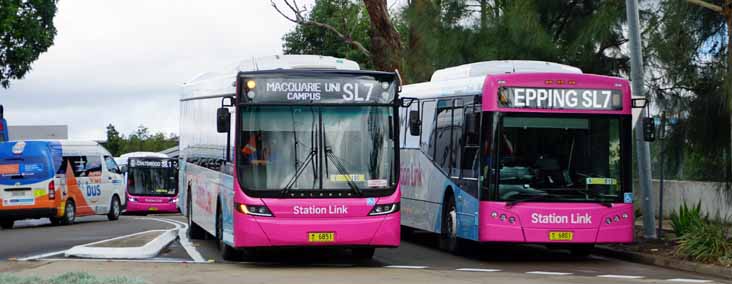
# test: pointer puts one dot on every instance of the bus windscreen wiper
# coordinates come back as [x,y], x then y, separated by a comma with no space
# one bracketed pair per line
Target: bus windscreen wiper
[596,197]
[529,197]
[341,169]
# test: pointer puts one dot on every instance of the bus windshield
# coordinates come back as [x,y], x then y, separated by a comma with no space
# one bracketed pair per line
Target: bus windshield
[312,148]
[150,178]
[559,159]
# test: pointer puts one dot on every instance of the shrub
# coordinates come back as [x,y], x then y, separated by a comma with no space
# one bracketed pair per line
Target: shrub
[687,219]
[706,242]
[68,278]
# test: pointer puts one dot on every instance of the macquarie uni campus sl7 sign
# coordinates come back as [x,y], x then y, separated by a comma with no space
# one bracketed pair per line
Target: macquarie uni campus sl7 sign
[551,98]
[307,90]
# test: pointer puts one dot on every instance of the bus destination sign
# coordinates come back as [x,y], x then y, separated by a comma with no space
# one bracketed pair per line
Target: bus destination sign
[143,163]
[546,98]
[319,91]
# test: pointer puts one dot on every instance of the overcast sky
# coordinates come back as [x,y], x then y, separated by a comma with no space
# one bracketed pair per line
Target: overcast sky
[122,62]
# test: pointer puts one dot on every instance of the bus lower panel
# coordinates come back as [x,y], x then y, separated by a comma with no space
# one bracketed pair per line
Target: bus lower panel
[20,214]
[372,231]
[140,207]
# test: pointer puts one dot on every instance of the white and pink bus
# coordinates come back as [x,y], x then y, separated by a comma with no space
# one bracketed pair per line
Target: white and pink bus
[518,152]
[152,183]
[291,151]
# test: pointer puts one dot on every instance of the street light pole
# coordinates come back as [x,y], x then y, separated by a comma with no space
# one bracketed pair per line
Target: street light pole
[642,148]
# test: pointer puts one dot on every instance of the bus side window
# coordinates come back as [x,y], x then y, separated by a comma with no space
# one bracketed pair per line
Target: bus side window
[428,122]
[77,163]
[111,165]
[471,155]
[443,135]
[457,138]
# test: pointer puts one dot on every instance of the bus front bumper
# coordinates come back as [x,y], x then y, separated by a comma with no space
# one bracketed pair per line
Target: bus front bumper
[371,231]
[33,213]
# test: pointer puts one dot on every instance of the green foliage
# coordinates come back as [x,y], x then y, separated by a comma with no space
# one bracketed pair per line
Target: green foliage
[686,81]
[139,140]
[348,16]
[26,31]
[68,278]
[707,242]
[687,219]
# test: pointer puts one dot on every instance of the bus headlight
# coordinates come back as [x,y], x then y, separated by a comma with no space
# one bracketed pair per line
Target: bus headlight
[174,200]
[383,209]
[254,210]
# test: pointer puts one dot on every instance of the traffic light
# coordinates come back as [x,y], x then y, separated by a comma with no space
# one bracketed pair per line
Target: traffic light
[649,129]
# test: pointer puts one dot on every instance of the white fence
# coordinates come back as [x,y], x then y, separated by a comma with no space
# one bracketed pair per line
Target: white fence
[715,199]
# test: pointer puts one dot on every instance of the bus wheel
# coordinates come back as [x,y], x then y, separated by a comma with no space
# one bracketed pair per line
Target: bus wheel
[194,231]
[581,250]
[69,213]
[449,240]
[227,252]
[7,224]
[363,253]
[114,209]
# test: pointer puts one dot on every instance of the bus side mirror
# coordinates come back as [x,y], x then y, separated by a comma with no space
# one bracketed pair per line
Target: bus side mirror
[415,125]
[649,129]
[223,120]
[1,112]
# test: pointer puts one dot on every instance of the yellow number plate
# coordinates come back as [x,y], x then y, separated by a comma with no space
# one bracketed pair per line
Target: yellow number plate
[152,209]
[561,236]
[321,237]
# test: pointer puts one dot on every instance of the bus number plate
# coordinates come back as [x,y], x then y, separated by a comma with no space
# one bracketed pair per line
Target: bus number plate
[152,209]
[321,237]
[561,236]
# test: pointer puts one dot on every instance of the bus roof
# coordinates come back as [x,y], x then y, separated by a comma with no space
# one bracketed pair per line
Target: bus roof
[215,84]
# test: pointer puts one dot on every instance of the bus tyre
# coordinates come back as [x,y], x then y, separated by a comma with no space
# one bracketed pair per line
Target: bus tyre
[581,250]
[227,252]
[7,224]
[69,213]
[363,253]
[114,209]
[449,240]
[194,231]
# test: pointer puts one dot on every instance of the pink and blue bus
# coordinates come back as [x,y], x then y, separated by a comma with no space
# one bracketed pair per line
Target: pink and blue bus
[308,158]
[3,126]
[152,185]
[518,152]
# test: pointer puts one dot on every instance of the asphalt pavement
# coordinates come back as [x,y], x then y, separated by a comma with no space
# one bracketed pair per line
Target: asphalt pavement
[33,237]
[417,260]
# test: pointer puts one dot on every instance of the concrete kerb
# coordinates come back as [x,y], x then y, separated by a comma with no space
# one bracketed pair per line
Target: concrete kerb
[666,262]
[149,250]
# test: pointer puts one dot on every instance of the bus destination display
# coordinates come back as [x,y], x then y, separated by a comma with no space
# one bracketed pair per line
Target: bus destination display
[546,98]
[314,90]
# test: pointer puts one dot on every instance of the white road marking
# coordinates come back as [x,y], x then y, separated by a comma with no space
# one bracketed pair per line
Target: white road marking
[689,280]
[405,266]
[183,238]
[477,270]
[35,257]
[549,273]
[153,260]
[621,276]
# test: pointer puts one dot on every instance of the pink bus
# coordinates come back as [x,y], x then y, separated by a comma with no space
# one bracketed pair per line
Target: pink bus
[308,158]
[518,152]
[152,185]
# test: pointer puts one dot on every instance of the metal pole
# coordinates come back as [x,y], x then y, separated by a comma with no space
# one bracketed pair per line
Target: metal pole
[662,138]
[642,149]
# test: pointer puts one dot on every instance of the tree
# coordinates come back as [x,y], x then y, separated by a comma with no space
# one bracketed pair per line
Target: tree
[342,15]
[686,82]
[114,141]
[384,50]
[26,31]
